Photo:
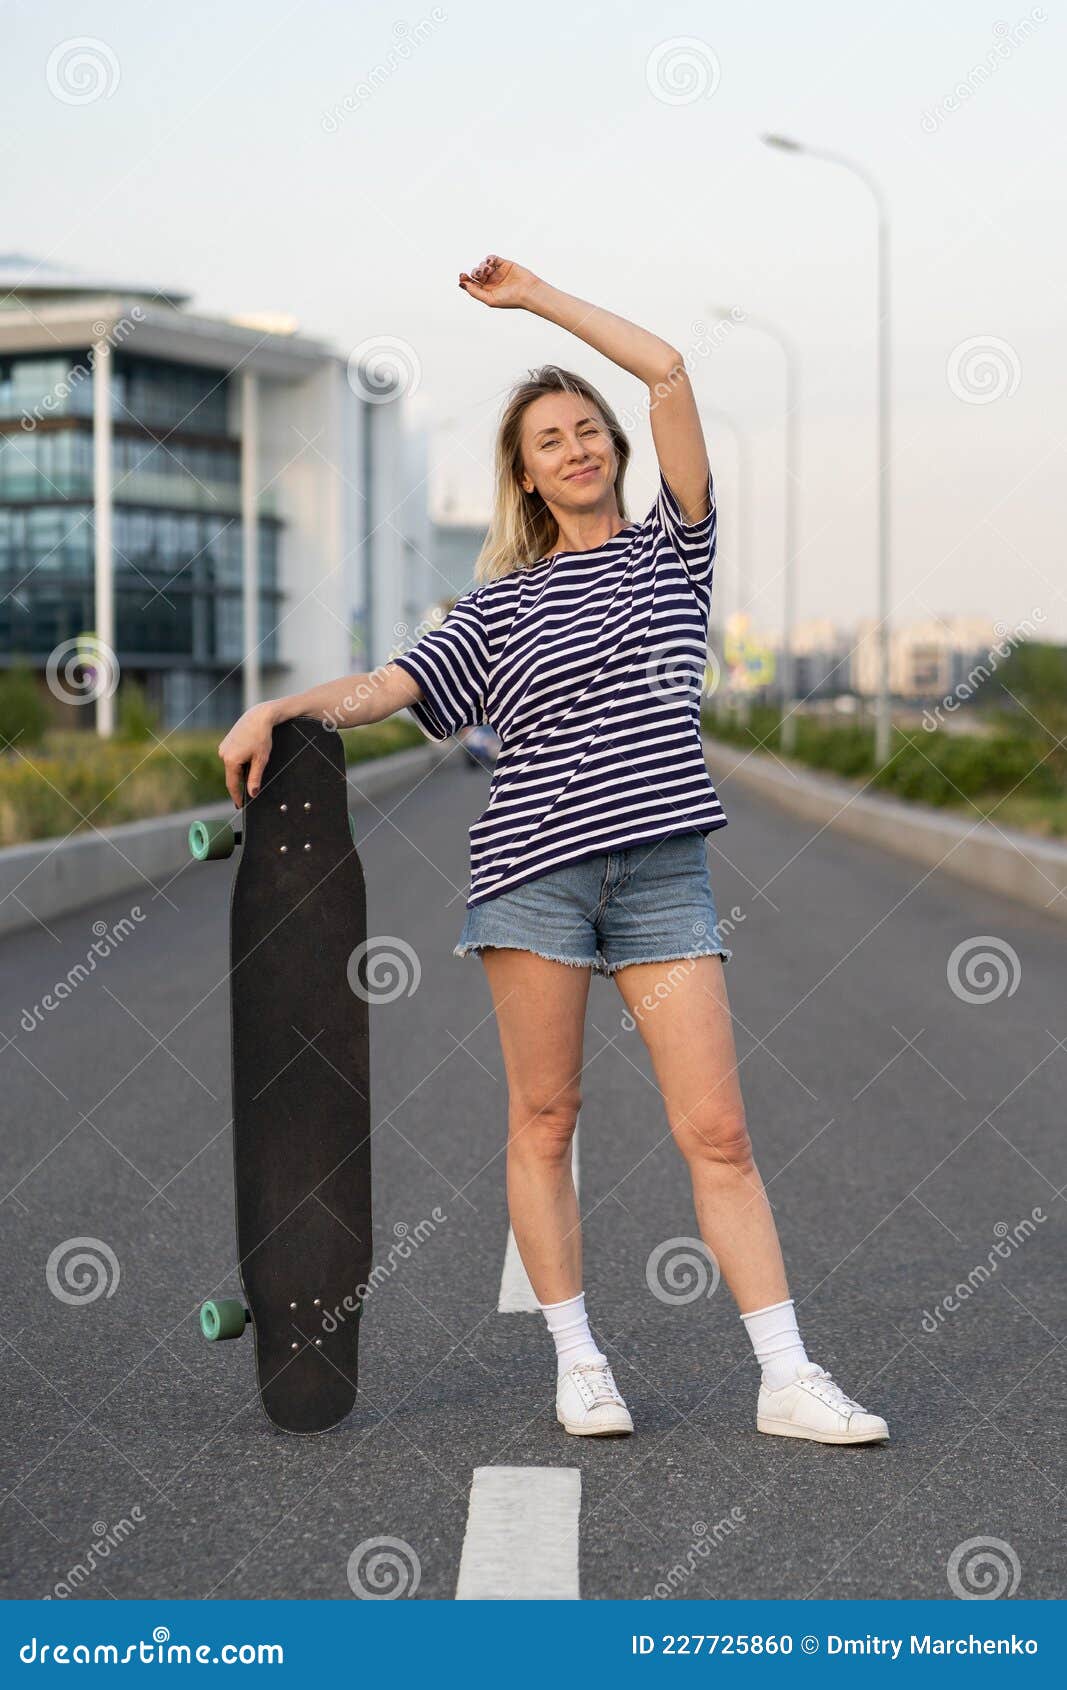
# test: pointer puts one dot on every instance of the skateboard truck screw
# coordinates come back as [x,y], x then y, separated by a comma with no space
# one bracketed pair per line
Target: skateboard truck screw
[307,847]
[283,849]
[318,1302]
[294,1346]
[318,1343]
[292,1305]
[307,806]
[283,807]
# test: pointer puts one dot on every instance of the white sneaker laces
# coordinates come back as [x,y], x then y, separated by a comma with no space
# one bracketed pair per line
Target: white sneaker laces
[599,1378]
[830,1392]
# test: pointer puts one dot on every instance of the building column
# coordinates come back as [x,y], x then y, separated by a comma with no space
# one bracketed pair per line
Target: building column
[104,561]
[250,671]
[370,545]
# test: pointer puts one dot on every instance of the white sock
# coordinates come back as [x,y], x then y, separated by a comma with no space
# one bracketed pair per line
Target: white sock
[777,1343]
[569,1326]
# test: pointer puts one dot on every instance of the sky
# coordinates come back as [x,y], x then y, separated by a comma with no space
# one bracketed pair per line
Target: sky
[343,163]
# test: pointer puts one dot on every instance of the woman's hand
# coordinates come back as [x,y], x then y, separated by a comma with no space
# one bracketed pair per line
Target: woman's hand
[247,746]
[499,281]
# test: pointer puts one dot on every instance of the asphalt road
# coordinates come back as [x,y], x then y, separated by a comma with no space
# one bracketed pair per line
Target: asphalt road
[904,1132]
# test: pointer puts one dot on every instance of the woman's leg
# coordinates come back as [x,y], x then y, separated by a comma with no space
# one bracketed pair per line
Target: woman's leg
[687,1029]
[540,1013]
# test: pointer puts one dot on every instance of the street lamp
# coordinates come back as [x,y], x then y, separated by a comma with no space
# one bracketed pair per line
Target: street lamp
[883,718]
[744,550]
[792,402]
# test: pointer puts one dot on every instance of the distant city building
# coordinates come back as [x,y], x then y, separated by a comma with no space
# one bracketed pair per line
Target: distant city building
[211,498]
[821,664]
[926,659]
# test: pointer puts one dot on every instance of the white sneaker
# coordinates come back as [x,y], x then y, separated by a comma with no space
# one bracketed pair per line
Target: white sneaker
[814,1406]
[589,1403]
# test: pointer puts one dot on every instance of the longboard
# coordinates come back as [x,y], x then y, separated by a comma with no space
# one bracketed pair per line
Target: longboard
[300,1079]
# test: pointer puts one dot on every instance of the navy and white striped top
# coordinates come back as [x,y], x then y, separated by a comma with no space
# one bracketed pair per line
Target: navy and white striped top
[590,667]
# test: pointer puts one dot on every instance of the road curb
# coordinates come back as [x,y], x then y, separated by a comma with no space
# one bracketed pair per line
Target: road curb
[1016,865]
[53,877]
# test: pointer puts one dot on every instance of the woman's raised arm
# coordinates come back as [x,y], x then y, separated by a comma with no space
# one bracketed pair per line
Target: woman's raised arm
[676,429]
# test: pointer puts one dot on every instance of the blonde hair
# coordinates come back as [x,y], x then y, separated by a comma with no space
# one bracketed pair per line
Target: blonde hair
[522,528]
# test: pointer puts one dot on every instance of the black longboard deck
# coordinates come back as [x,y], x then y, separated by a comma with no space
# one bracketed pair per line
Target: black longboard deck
[301,1079]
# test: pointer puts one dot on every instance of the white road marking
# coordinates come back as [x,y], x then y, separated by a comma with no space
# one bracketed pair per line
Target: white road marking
[516,1292]
[521,1542]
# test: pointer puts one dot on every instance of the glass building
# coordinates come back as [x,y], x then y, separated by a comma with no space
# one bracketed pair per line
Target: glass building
[141,446]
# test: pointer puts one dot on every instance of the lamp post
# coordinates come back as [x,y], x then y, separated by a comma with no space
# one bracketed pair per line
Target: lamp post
[883,717]
[744,553]
[792,402]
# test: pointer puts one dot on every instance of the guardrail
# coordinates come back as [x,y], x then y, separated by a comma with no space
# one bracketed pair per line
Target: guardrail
[56,876]
[999,859]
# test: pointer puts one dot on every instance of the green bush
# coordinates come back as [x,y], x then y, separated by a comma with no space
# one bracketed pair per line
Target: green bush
[138,720]
[845,748]
[81,781]
[23,711]
[938,768]
[379,739]
[930,768]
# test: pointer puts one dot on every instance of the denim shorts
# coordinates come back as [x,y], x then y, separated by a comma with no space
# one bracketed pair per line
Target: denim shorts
[646,903]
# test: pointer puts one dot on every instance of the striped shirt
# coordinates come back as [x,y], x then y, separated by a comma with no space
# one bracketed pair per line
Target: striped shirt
[590,667]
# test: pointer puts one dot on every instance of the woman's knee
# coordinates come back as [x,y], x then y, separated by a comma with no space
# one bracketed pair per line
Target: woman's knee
[715,1137]
[544,1127]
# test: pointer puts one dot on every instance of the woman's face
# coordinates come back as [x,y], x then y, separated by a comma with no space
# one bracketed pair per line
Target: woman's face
[567,453]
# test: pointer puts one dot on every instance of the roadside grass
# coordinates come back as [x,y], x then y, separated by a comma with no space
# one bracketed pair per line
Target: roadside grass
[72,780]
[1016,778]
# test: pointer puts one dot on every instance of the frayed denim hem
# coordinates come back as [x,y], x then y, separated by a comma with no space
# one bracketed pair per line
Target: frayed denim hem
[599,966]
[492,945]
[674,956]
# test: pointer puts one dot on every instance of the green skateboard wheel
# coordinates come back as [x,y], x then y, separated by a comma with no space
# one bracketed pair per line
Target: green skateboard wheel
[209,841]
[225,1319]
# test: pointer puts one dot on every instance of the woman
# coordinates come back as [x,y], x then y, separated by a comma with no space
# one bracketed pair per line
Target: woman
[584,645]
